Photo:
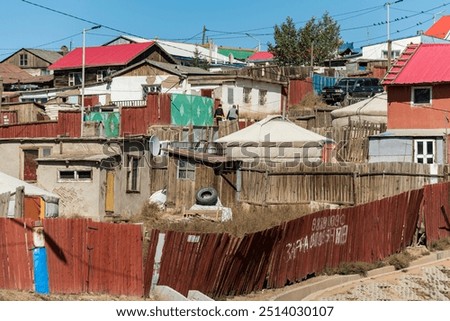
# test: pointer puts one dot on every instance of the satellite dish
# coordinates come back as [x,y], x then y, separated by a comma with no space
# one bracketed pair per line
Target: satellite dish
[154,145]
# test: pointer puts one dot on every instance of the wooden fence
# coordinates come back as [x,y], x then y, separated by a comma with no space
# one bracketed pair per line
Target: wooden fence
[352,143]
[343,184]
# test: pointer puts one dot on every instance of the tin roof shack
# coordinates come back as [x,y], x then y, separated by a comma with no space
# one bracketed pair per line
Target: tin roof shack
[34,61]
[37,203]
[418,87]
[189,171]
[98,178]
[275,139]
[16,113]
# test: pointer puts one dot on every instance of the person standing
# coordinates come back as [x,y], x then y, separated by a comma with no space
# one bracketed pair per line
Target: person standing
[233,113]
[218,114]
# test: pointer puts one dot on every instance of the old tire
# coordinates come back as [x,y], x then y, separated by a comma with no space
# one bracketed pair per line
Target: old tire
[206,196]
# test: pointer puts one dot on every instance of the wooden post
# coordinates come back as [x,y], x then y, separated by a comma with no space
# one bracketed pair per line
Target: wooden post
[18,206]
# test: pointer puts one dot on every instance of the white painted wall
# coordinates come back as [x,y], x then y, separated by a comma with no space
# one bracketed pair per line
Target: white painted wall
[375,51]
[273,97]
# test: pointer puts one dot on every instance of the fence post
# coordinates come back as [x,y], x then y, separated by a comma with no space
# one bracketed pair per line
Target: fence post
[18,206]
[356,187]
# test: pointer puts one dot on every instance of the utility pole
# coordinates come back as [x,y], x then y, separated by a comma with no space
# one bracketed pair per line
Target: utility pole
[389,42]
[204,34]
[312,54]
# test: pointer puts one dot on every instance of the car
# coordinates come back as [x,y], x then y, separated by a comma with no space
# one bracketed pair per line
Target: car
[347,88]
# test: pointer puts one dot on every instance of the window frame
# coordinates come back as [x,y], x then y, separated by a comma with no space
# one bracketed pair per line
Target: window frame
[23,60]
[425,154]
[188,168]
[413,96]
[72,80]
[133,174]
[76,175]
[230,94]
[262,97]
[247,95]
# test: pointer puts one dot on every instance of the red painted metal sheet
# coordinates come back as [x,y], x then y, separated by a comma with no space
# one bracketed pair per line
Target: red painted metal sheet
[150,261]
[68,124]
[86,256]
[219,264]
[102,56]
[298,89]
[136,120]
[437,211]
[8,117]
[425,66]
[16,263]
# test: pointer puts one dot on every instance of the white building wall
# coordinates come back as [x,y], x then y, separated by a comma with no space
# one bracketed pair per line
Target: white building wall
[253,108]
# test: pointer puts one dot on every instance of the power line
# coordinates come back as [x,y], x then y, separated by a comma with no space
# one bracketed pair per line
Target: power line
[79,18]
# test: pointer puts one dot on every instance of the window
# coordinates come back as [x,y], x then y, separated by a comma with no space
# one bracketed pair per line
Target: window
[421,95]
[65,175]
[231,96]
[424,151]
[23,59]
[247,95]
[101,74]
[262,97]
[186,170]
[133,174]
[74,78]
[394,54]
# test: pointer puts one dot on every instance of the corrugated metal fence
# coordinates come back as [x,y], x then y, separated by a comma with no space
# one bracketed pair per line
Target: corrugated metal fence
[220,264]
[87,256]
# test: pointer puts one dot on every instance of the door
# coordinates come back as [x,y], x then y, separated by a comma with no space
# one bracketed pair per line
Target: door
[109,197]
[30,164]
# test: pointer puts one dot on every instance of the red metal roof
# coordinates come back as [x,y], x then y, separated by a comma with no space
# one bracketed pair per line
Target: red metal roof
[102,56]
[440,29]
[421,64]
[261,55]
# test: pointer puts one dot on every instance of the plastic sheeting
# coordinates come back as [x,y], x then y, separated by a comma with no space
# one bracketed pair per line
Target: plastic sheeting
[191,110]
[40,271]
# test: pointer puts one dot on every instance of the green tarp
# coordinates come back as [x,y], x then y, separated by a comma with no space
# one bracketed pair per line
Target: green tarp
[110,121]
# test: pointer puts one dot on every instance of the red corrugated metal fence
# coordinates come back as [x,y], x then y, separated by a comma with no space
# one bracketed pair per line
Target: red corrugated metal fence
[220,264]
[16,260]
[436,211]
[86,256]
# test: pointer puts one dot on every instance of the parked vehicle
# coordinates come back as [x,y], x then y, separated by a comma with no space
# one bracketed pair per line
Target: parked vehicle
[347,88]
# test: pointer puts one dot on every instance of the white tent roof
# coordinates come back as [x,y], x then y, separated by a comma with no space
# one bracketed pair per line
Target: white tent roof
[273,129]
[9,184]
[373,106]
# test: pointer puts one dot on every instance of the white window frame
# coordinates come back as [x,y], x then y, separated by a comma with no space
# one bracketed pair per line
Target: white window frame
[101,74]
[72,78]
[421,104]
[425,156]
[185,170]
[76,175]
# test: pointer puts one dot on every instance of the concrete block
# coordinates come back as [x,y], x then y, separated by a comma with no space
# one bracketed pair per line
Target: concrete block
[166,293]
[195,295]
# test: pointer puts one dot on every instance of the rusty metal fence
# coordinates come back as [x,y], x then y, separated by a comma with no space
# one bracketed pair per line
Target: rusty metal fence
[86,256]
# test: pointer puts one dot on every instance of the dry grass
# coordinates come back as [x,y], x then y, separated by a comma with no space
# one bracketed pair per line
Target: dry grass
[440,245]
[347,268]
[400,260]
[246,219]
[310,100]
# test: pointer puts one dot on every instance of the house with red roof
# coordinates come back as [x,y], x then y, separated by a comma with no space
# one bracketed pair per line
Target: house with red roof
[260,58]
[102,61]
[418,117]
[440,29]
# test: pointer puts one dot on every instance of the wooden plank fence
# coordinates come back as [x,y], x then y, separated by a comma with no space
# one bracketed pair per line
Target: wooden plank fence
[343,184]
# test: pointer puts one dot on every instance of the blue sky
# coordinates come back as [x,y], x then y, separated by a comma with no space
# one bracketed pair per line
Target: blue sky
[241,23]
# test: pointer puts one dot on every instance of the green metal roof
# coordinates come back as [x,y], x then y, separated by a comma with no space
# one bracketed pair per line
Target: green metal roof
[240,54]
